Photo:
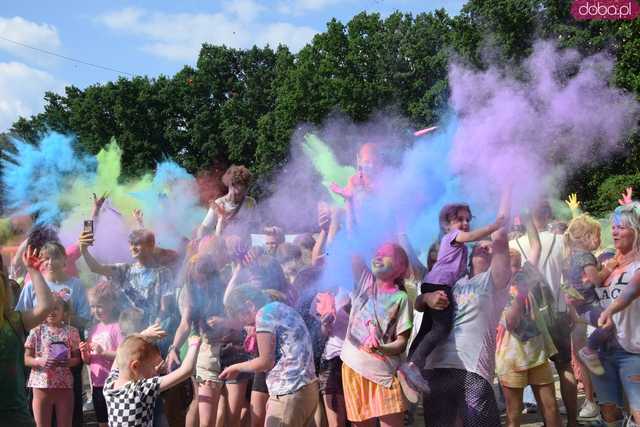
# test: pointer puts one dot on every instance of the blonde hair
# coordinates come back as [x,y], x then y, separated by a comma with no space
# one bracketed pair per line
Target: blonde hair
[629,216]
[134,347]
[581,231]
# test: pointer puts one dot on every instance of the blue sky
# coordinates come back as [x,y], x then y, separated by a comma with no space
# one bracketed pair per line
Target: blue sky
[150,37]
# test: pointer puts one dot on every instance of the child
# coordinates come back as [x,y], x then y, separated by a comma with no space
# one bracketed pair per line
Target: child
[285,353]
[104,338]
[51,349]
[53,267]
[449,267]
[377,334]
[133,386]
[580,240]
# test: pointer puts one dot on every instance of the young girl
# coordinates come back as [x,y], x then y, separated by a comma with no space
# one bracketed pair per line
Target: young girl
[50,350]
[450,266]
[377,334]
[104,338]
[581,272]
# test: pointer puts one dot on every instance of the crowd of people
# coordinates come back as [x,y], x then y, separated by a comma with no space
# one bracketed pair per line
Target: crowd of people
[225,333]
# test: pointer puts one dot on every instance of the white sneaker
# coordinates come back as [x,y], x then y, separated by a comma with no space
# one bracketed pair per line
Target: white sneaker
[589,410]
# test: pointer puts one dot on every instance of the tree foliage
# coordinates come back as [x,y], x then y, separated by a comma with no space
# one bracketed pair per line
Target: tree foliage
[243,106]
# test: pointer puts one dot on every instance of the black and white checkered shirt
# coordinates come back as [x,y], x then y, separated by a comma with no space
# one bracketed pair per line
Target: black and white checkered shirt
[131,405]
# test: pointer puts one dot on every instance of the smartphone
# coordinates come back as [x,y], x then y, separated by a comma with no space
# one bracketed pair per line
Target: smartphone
[88,226]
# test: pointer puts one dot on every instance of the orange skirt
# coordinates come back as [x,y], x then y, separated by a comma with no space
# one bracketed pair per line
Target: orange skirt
[365,399]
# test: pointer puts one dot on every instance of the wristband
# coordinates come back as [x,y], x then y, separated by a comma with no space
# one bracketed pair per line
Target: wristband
[195,344]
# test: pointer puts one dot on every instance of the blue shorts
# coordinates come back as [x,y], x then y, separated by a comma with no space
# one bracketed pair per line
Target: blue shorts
[621,377]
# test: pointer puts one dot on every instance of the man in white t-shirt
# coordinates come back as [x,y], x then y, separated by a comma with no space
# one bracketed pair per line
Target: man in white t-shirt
[550,265]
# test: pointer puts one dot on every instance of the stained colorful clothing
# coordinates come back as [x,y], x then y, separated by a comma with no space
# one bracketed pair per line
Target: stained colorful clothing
[143,286]
[551,262]
[390,314]
[242,216]
[451,263]
[294,366]
[13,397]
[365,399]
[471,346]
[40,339]
[527,345]
[72,288]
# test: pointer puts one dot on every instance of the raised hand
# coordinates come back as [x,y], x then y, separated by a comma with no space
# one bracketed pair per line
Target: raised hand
[86,239]
[98,202]
[31,259]
[324,216]
[626,197]
[154,332]
[572,202]
[138,216]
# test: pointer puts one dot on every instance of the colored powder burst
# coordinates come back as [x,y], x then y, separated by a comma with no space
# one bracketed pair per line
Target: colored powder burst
[171,204]
[5,230]
[36,176]
[326,164]
[408,200]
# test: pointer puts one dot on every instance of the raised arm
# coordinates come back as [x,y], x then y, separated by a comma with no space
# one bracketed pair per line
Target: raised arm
[44,299]
[86,240]
[324,222]
[480,233]
[534,239]
[500,263]
[418,269]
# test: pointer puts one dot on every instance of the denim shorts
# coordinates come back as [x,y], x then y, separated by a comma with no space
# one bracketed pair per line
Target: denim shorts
[621,377]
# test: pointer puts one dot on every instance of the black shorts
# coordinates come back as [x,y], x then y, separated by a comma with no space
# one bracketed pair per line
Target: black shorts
[561,336]
[260,383]
[330,376]
[99,404]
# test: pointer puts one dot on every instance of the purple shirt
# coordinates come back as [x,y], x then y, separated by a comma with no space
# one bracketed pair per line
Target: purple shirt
[451,263]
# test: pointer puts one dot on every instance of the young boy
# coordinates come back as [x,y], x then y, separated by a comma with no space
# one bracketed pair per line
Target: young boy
[133,386]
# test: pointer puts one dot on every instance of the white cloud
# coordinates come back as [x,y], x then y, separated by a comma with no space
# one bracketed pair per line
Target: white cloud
[297,36]
[179,36]
[22,88]
[300,7]
[42,36]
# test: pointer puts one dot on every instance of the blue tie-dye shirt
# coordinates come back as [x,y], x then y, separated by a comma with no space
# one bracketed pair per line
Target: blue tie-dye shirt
[294,366]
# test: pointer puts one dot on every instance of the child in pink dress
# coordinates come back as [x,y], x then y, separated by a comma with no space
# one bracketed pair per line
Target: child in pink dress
[99,351]
[50,350]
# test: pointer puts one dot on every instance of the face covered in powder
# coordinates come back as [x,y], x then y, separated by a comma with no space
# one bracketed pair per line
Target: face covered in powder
[368,160]
[389,263]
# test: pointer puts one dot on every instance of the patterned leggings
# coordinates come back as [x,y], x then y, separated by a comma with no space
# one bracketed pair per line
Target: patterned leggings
[459,395]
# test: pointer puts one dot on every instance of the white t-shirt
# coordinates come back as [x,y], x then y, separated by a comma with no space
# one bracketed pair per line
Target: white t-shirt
[627,321]
[390,313]
[471,345]
[551,261]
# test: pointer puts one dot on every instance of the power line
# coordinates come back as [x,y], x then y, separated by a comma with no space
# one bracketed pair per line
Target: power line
[102,67]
